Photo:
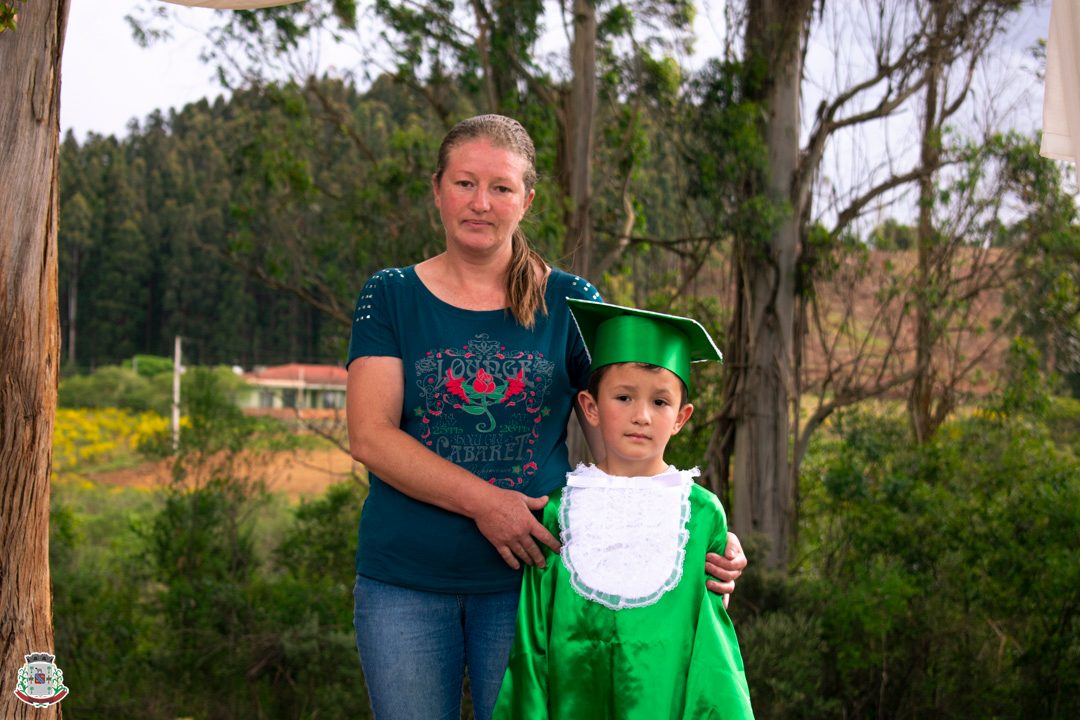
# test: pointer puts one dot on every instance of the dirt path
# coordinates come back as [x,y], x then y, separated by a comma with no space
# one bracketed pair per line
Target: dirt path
[296,474]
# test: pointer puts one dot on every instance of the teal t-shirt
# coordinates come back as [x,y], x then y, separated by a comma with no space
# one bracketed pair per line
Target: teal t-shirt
[482,392]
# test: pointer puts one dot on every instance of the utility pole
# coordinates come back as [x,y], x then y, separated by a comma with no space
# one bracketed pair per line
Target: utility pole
[176,396]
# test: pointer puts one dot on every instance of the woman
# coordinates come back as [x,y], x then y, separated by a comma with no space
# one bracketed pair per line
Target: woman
[462,375]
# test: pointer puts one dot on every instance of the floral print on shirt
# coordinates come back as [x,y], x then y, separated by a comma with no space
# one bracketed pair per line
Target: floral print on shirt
[482,407]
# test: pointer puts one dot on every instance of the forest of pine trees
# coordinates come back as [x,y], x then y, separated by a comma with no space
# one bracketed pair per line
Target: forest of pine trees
[147,223]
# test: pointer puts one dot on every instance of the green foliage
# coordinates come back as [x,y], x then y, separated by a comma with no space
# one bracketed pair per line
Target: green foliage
[145,214]
[1062,418]
[934,581]
[1045,297]
[152,365]
[201,553]
[9,14]
[202,390]
[1025,390]
[892,235]
[103,631]
[726,156]
[784,655]
[209,402]
[114,386]
[162,599]
[313,548]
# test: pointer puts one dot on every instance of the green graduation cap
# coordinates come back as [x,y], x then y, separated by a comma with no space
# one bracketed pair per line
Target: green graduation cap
[615,334]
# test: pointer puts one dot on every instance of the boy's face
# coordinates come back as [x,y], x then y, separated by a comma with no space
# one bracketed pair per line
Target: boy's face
[637,412]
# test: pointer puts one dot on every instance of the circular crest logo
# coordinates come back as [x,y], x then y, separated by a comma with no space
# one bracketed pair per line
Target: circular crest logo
[40,682]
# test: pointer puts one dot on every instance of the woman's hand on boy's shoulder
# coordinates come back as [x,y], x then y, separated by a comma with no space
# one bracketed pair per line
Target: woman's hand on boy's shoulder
[725,568]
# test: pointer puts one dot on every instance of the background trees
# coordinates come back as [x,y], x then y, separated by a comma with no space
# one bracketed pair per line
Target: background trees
[247,225]
[327,183]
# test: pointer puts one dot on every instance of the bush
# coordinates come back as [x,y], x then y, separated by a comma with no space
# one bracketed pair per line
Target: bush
[785,657]
[89,438]
[103,631]
[123,387]
[948,574]
[110,386]
[164,608]
[150,366]
[1062,419]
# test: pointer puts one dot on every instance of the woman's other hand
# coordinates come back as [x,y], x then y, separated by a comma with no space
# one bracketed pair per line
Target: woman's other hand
[725,568]
[506,519]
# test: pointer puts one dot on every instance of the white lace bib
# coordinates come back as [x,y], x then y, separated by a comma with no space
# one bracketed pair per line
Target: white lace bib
[624,538]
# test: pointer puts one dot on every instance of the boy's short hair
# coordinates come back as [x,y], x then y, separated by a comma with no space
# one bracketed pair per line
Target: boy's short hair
[597,375]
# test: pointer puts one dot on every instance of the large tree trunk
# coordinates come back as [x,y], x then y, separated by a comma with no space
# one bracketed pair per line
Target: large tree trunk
[760,371]
[579,118]
[29,334]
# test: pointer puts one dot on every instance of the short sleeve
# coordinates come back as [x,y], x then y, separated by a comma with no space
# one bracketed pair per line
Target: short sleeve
[374,330]
[717,526]
[578,359]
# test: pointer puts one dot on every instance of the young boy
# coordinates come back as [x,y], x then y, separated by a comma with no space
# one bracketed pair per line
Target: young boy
[620,625]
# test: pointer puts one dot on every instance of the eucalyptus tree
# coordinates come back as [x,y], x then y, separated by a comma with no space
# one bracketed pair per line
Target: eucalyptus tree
[927,322]
[31,42]
[899,47]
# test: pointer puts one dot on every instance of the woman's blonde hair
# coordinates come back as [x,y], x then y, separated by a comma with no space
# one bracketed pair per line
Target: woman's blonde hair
[526,278]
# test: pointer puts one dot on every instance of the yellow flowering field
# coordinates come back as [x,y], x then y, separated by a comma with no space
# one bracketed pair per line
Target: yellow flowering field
[87,437]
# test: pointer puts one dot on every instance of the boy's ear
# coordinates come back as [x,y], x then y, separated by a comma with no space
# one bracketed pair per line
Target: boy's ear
[683,415]
[589,408]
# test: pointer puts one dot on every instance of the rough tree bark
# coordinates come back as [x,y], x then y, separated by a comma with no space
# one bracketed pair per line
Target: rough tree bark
[29,334]
[759,378]
[576,155]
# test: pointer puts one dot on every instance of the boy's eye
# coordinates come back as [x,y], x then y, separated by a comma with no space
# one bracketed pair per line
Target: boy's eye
[622,398]
[660,402]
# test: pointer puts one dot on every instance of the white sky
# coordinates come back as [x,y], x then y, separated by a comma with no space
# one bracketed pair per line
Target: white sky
[107,79]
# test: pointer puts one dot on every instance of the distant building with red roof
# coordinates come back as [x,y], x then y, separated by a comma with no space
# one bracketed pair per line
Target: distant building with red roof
[295,386]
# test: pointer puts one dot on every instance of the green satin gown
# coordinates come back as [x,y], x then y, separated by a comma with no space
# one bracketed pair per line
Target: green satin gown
[668,651]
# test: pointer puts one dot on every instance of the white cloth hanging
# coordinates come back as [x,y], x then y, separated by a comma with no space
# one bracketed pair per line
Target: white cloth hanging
[232,4]
[1061,97]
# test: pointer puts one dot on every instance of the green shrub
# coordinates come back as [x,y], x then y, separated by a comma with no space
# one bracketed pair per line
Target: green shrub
[103,630]
[150,366]
[950,568]
[1062,418]
[785,657]
[209,600]
[110,386]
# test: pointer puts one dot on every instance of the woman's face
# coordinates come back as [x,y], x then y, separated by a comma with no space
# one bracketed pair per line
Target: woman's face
[481,197]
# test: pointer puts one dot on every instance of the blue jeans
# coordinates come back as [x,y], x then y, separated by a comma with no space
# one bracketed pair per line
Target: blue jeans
[414,647]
